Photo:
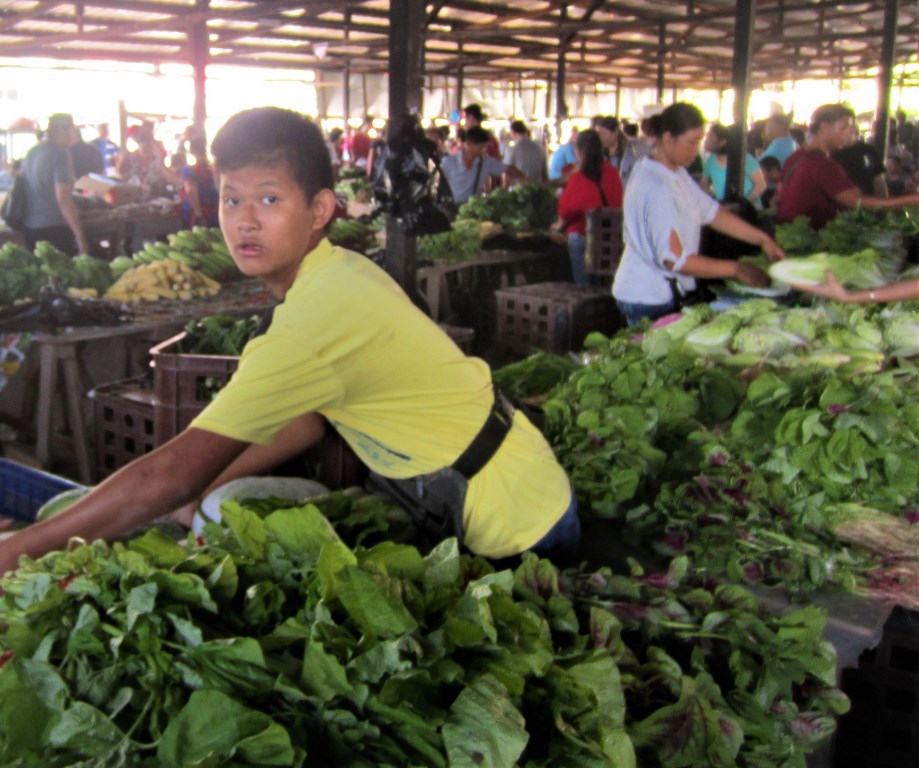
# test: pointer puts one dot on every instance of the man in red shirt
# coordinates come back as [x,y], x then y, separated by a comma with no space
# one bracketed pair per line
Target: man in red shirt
[816,186]
[359,144]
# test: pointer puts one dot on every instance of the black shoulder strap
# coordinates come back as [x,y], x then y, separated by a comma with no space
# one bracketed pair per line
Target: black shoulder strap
[478,175]
[602,195]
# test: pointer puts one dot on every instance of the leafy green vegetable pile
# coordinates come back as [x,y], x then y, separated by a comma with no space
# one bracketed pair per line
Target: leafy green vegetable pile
[218,335]
[354,235]
[461,242]
[276,643]
[527,207]
[24,273]
[744,468]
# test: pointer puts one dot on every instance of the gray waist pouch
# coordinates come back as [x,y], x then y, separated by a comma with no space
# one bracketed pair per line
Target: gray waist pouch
[434,501]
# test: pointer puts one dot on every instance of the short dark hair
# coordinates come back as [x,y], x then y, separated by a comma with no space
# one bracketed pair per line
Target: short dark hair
[518,126]
[606,121]
[770,163]
[474,111]
[271,136]
[780,119]
[830,113]
[477,135]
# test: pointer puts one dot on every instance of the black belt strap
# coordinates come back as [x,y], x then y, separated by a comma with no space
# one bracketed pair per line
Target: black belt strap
[485,444]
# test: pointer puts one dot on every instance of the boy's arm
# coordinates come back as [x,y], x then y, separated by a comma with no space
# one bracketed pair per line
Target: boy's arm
[147,488]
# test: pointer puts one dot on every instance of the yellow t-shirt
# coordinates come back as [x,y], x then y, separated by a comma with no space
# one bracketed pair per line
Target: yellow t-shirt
[346,342]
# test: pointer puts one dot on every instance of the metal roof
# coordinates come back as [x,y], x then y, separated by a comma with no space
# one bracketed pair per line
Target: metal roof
[622,42]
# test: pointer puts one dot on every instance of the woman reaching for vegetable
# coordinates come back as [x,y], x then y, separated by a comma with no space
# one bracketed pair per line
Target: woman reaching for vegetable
[664,211]
[833,289]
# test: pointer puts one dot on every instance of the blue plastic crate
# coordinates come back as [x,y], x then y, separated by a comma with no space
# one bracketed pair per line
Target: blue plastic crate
[23,490]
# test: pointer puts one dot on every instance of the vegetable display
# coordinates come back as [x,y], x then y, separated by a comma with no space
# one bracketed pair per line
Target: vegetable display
[529,207]
[201,248]
[283,641]
[745,466]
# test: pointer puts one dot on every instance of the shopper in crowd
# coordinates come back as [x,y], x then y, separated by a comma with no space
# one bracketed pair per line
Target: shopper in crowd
[720,142]
[595,184]
[335,144]
[146,165]
[621,153]
[905,290]
[469,171]
[358,143]
[816,186]
[564,160]
[777,133]
[663,214]
[772,173]
[862,164]
[896,177]
[473,117]
[86,157]
[199,195]
[48,171]
[525,154]
[109,149]
[342,349]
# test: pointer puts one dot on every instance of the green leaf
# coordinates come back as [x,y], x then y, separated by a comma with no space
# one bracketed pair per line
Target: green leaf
[373,602]
[301,532]
[484,728]
[322,674]
[213,728]
[86,731]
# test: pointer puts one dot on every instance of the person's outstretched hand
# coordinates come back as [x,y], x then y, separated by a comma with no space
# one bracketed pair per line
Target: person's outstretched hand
[750,274]
[831,289]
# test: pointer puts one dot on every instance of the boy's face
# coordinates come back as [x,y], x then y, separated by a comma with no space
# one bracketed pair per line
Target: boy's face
[268,223]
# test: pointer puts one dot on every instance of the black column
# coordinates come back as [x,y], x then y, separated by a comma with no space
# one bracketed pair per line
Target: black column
[406,81]
[743,57]
[885,76]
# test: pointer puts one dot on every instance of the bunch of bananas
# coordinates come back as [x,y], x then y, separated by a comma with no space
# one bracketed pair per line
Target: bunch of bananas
[163,279]
[202,248]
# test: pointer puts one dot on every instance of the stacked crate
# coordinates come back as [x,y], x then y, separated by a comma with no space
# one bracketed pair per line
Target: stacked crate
[604,244]
[555,317]
[882,728]
[124,415]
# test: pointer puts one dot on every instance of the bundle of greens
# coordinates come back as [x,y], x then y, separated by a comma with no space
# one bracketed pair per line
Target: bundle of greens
[218,335]
[281,641]
[21,275]
[461,242]
[355,235]
[527,207]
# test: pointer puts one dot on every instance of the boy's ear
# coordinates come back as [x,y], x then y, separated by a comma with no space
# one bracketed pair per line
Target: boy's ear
[323,205]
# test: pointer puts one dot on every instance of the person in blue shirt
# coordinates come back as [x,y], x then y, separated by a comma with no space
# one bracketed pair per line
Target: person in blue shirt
[777,132]
[107,147]
[720,141]
[468,170]
[564,161]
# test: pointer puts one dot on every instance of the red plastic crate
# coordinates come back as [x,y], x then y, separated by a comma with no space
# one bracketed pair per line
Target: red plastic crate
[184,384]
[124,419]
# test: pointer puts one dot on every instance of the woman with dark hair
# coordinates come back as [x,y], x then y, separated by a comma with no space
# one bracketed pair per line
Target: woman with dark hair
[720,142]
[664,212]
[621,152]
[595,184]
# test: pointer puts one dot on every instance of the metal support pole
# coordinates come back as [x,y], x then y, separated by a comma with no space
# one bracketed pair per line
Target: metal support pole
[346,97]
[743,57]
[885,76]
[561,106]
[406,84]
[199,53]
[661,51]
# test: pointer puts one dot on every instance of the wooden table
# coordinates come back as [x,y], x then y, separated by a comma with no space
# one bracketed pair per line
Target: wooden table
[62,379]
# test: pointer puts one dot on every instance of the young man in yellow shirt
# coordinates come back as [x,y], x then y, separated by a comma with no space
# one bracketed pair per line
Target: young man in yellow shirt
[345,347]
